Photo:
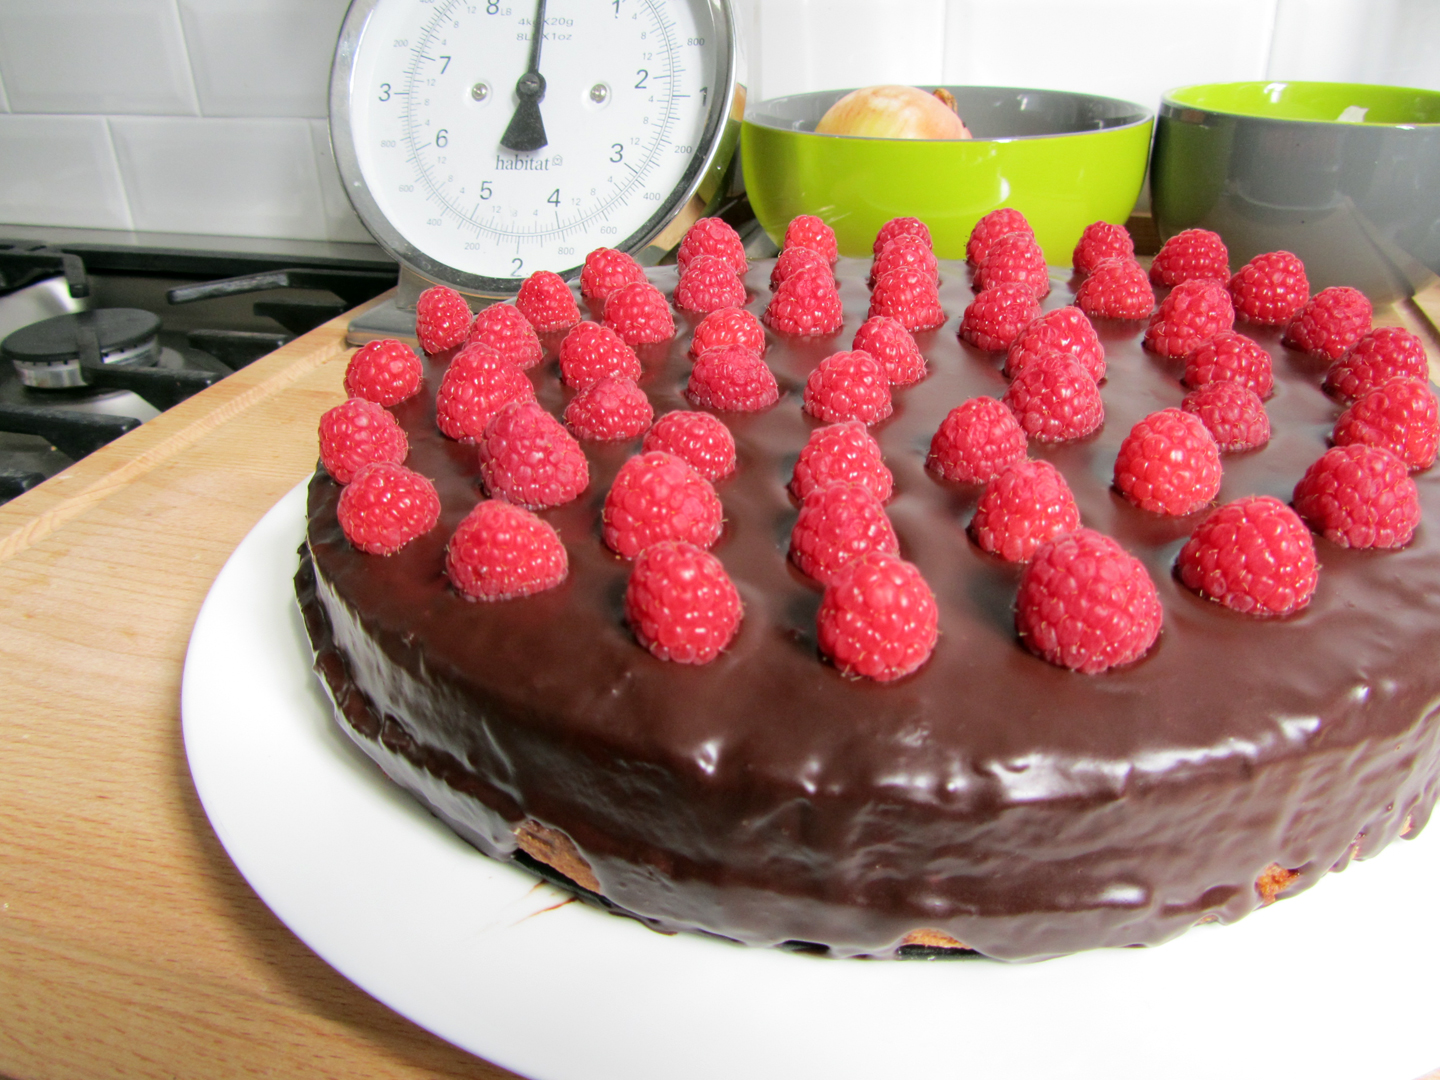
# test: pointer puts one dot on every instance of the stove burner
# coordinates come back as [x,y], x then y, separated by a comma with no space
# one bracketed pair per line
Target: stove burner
[56,353]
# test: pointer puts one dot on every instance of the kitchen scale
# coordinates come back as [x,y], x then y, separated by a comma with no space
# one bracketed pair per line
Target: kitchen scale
[477,151]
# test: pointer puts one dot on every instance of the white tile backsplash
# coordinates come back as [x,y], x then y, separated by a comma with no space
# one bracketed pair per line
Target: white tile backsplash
[341,222]
[60,170]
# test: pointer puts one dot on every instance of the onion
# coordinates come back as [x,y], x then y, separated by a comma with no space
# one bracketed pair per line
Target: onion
[893,112]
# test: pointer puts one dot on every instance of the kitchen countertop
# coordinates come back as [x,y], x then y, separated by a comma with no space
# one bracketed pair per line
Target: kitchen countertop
[129,944]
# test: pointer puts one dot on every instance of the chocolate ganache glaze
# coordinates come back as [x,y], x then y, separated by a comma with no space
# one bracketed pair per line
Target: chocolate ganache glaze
[1022,809]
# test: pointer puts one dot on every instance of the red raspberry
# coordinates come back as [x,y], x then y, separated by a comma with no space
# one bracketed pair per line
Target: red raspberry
[385,507]
[901,226]
[639,314]
[610,410]
[1087,604]
[712,236]
[1017,258]
[909,296]
[592,352]
[1066,330]
[1188,255]
[838,523]
[708,284]
[478,383]
[990,228]
[729,326]
[504,329]
[699,439]
[905,252]
[503,552]
[657,496]
[1193,313]
[1027,504]
[1400,416]
[1116,289]
[527,458]
[732,379]
[442,319]
[1230,357]
[1359,497]
[1232,413]
[808,231]
[1270,289]
[1330,322]
[841,453]
[878,618]
[357,432]
[1378,357]
[1254,555]
[385,372]
[1102,240]
[995,318]
[1054,399]
[792,261]
[848,386]
[888,341]
[546,301]
[681,604]
[605,270]
[975,441]
[807,303]
[1169,464]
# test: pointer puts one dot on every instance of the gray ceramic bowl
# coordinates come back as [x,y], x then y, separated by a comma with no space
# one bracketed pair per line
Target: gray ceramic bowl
[1346,176]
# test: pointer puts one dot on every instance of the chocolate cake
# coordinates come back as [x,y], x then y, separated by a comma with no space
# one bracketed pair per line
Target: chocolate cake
[990,801]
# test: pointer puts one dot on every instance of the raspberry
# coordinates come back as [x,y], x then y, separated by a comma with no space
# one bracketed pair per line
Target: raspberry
[509,333]
[1400,416]
[546,301]
[1188,255]
[729,326]
[975,441]
[1359,497]
[792,261]
[1027,504]
[1330,322]
[1066,330]
[1232,413]
[990,228]
[838,523]
[806,231]
[1270,289]
[386,506]
[527,458]
[905,252]
[442,319]
[1254,555]
[699,439]
[848,386]
[1116,289]
[639,314]
[995,318]
[1193,313]
[681,604]
[712,236]
[605,270]
[385,372]
[609,410]
[1054,399]
[732,379]
[707,285]
[1017,258]
[901,226]
[1102,240]
[478,383]
[806,303]
[657,496]
[502,552]
[357,432]
[878,618]
[841,453]
[1230,357]
[1378,357]
[592,352]
[1087,604]
[1169,464]
[888,341]
[909,296]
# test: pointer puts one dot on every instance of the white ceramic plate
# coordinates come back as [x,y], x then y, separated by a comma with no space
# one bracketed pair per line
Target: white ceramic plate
[1337,983]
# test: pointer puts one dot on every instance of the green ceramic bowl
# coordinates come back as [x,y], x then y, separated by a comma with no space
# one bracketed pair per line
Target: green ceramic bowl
[1064,160]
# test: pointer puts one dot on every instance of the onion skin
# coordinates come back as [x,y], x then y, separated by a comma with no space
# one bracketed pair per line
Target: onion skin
[892,112]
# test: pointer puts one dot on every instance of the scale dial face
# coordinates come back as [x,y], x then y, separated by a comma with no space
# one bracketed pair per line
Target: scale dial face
[635,108]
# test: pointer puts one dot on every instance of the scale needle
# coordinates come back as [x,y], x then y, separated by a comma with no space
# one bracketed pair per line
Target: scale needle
[527,130]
